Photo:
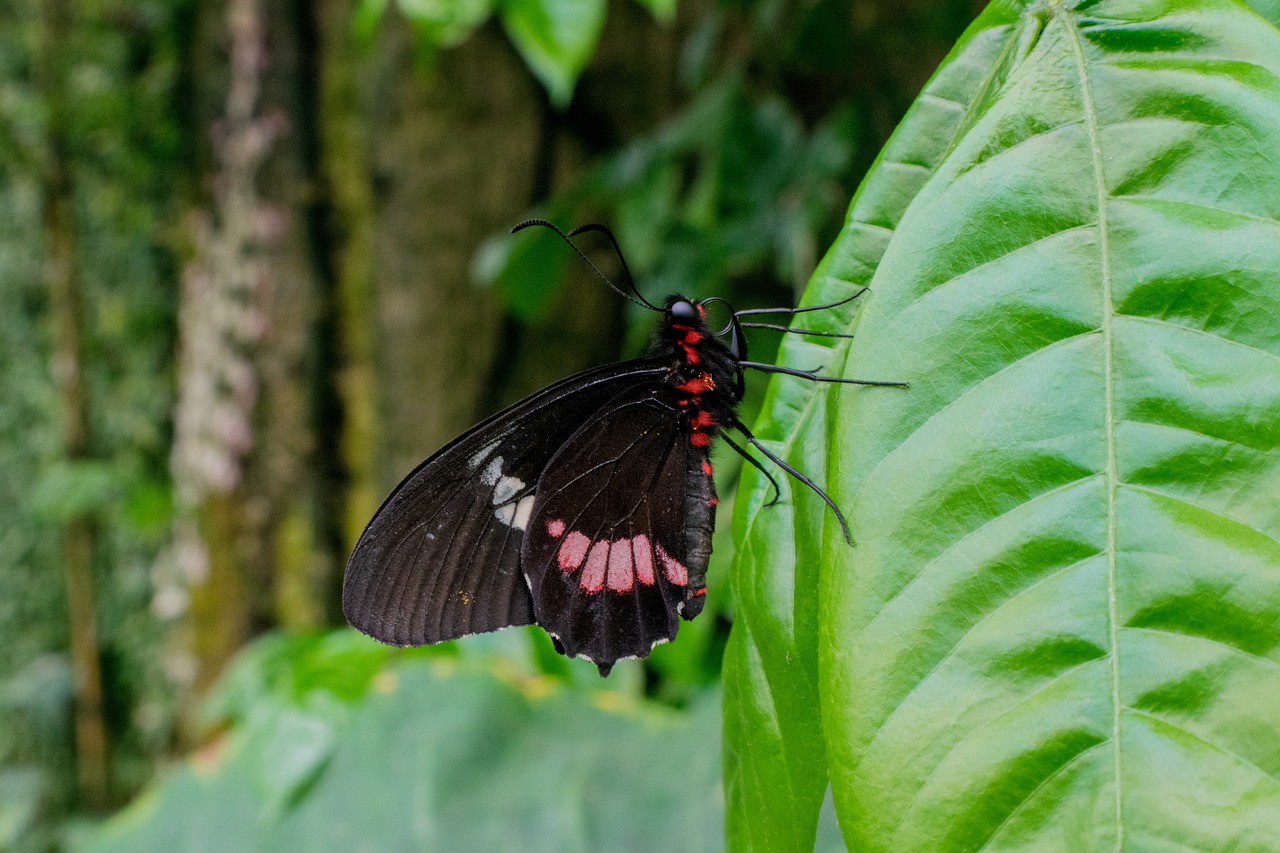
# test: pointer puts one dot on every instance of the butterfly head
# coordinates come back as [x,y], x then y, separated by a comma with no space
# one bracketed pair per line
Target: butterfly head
[682,312]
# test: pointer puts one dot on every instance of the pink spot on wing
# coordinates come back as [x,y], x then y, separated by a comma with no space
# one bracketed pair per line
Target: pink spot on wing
[573,550]
[643,553]
[592,579]
[673,568]
[555,527]
[621,577]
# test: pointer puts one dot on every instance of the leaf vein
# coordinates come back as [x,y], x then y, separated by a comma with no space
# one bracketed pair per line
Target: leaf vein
[1213,640]
[968,534]
[951,404]
[1206,510]
[1156,201]
[973,730]
[1214,438]
[1058,771]
[955,646]
[1178,327]
[1217,747]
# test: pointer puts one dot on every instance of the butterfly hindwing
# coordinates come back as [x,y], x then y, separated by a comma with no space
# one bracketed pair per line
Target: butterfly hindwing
[620,534]
[441,558]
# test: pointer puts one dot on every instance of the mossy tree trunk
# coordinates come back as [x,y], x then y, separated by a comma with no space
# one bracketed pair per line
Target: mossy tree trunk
[376,347]
[66,305]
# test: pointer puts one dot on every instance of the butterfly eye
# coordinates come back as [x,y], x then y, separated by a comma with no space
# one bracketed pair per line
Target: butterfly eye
[683,310]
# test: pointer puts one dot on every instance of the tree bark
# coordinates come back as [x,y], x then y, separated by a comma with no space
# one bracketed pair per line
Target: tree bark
[67,309]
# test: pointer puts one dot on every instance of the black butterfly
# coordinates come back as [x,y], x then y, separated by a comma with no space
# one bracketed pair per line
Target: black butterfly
[586,508]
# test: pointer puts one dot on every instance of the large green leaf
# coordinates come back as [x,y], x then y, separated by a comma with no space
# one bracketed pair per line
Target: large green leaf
[1059,628]
[775,772]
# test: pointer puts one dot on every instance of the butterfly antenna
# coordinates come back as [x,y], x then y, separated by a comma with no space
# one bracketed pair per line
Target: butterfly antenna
[800,310]
[773,457]
[812,375]
[777,492]
[565,237]
[617,250]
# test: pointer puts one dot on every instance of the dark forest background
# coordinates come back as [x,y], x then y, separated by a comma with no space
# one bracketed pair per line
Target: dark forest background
[254,267]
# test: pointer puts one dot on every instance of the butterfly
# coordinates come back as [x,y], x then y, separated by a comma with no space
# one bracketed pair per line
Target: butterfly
[586,508]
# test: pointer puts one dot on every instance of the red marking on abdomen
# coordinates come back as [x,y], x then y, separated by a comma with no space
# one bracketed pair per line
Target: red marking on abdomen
[621,575]
[572,551]
[692,337]
[691,355]
[700,439]
[706,469]
[699,592]
[703,419]
[673,568]
[555,527]
[697,385]
[714,502]
[592,579]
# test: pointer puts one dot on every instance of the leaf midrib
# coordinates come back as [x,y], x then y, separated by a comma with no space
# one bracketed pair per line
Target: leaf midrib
[1095,149]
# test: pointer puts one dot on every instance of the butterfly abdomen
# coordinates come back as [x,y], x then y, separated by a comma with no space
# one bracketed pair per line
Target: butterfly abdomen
[700,525]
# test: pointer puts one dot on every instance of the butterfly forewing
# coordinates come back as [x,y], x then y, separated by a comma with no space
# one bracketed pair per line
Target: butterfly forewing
[441,558]
[614,548]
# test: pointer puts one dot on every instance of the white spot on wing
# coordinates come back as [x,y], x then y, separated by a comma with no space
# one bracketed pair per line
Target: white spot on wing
[515,514]
[505,489]
[481,455]
[523,510]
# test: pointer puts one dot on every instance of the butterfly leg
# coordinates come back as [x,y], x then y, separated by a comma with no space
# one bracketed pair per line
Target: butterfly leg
[777,493]
[775,459]
[812,375]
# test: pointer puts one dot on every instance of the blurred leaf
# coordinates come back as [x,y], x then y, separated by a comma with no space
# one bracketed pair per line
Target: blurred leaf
[20,791]
[445,23]
[524,269]
[663,10]
[1057,628]
[440,756]
[67,489]
[289,671]
[365,19]
[556,38]
[148,508]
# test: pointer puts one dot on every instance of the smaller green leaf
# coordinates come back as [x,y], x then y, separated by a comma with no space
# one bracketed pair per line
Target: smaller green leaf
[444,23]
[20,791]
[556,38]
[523,269]
[663,10]
[365,19]
[71,488]
[148,508]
